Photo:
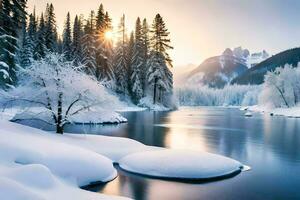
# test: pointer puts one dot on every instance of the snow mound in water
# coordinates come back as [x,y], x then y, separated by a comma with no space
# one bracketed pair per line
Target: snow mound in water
[180,164]
[248,114]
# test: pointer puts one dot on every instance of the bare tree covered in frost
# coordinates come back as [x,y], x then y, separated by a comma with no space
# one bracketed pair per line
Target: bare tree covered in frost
[54,90]
[281,87]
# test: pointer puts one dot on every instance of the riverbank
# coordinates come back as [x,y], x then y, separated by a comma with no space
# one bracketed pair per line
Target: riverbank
[293,112]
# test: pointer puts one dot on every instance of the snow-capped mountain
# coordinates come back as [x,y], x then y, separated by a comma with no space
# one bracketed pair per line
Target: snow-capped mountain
[218,71]
[255,75]
[256,58]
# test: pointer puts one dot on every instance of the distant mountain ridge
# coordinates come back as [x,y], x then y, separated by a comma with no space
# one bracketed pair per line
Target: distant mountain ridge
[255,75]
[220,70]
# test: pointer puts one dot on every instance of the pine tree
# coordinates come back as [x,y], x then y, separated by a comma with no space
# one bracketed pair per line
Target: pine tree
[50,29]
[101,58]
[76,44]
[40,48]
[145,52]
[137,63]
[107,22]
[12,18]
[26,52]
[88,47]
[32,28]
[129,52]
[107,69]
[120,66]
[67,41]
[159,77]
[100,19]
[160,41]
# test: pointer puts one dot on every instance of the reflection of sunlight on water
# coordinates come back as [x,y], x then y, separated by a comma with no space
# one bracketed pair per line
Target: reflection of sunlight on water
[181,139]
[179,136]
[113,187]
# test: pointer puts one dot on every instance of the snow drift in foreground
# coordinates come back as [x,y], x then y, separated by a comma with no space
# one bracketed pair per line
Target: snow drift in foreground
[38,165]
[35,164]
[180,164]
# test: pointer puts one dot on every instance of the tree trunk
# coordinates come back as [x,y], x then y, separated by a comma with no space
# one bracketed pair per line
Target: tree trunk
[59,125]
[282,96]
[155,88]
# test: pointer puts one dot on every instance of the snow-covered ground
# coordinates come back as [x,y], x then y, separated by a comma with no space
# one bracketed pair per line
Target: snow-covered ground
[38,165]
[288,112]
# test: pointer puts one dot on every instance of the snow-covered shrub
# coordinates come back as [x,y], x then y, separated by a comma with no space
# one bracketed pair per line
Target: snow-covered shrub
[234,95]
[281,87]
[59,90]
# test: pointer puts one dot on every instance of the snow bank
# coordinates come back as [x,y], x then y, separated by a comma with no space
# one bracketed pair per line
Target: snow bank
[38,165]
[35,182]
[97,117]
[114,148]
[288,112]
[25,145]
[147,102]
[180,164]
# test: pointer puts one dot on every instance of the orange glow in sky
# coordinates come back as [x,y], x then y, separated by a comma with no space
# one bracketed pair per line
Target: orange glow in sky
[201,28]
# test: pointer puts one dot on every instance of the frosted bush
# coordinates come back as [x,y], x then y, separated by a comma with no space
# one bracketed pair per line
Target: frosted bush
[59,89]
[234,95]
[281,87]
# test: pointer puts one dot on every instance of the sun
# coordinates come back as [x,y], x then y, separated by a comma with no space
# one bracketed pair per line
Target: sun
[109,35]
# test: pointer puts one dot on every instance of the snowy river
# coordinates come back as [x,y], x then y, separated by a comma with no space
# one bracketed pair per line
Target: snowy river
[270,145]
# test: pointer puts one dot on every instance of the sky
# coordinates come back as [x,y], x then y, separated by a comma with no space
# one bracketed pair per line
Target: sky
[202,28]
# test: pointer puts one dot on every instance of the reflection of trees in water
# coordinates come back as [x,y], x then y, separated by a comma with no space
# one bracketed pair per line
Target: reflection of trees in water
[136,187]
[141,127]
[282,136]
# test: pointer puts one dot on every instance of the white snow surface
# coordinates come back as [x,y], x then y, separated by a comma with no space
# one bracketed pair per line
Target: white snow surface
[114,148]
[183,164]
[39,165]
[148,103]
[97,117]
[293,112]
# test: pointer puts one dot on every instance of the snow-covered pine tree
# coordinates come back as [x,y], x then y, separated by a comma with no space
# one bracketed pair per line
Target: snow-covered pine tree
[26,49]
[76,44]
[67,40]
[88,46]
[100,37]
[107,47]
[137,64]
[40,49]
[159,76]
[12,17]
[32,27]
[120,62]
[100,21]
[145,50]
[50,27]
[129,53]
[160,41]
